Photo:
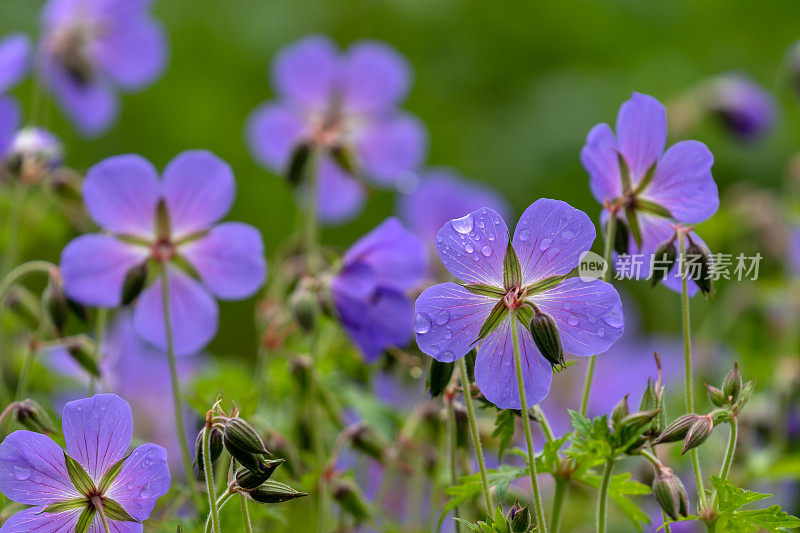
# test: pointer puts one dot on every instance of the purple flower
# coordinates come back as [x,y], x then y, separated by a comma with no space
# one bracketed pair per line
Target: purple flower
[339,101]
[34,152]
[794,250]
[443,195]
[91,48]
[743,107]
[167,224]
[644,186]
[369,292]
[15,51]
[97,431]
[9,123]
[548,241]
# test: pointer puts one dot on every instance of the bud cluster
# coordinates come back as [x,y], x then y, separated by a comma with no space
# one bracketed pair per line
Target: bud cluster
[692,429]
[670,493]
[734,393]
[629,428]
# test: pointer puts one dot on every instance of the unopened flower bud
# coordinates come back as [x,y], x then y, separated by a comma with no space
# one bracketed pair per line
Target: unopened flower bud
[678,429]
[305,307]
[274,492]
[732,386]
[665,257]
[368,441]
[351,499]
[244,444]
[636,421]
[621,236]
[698,433]
[620,411]
[439,376]
[519,518]
[79,350]
[31,415]
[297,163]
[300,368]
[345,158]
[716,396]
[56,305]
[215,448]
[247,479]
[702,257]
[134,283]
[670,493]
[547,338]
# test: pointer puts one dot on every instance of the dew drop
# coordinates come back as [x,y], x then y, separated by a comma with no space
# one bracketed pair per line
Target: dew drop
[21,473]
[545,244]
[567,235]
[442,317]
[448,334]
[480,223]
[601,332]
[573,320]
[615,321]
[463,224]
[491,236]
[145,492]
[422,323]
[486,251]
[469,248]
[524,235]
[447,355]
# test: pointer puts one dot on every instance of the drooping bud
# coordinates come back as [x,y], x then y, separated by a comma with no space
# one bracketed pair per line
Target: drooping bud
[274,492]
[305,307]
[678,429]
[621,236]
[702,257]
[367,441]
[244,444]
[297,163]
[663,260]
[620,411]
[215,448]
[715,396]
[698,433]
[79,350]
[31,415]
[55,300]
[670,493]
[349,496]
[247,479]
[438,377]
[548,339]
[732,386]
[300,367]
[519,518]
[24,305]
[345,158]
[134,282]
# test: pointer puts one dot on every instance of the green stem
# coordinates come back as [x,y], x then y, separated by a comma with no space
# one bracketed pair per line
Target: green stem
[248,527]
[99,329]
[208,470]
[476,438]
[12,226]
[452,453]
[558,501]
[23,270]
[311,229]
[176,392]
[611,227]
[24,372]
[546,429]
[726,465]
[221,501]
[526,424]
[687,357]
[603,499]
[99,507]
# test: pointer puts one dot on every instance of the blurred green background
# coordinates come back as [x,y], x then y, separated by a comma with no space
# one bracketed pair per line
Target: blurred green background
[508,91]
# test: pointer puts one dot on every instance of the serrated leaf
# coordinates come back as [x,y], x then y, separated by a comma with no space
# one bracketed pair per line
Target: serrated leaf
[80,479]
[115,511]
[544,284]
[110,475]
[512,271]
[483,289]
[504,425]
[633,227]
[85,520]
[734,520]
[651,207]
[495,318]
[470,486]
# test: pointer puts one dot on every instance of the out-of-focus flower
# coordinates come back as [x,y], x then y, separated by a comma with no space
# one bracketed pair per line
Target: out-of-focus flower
[548,242]
[342,104]
[744,108]
[645,187]
[15,51]
[64,489]
[170,224]
[92,48]
[442,195]
[33,154]
[369,292]
[793,249]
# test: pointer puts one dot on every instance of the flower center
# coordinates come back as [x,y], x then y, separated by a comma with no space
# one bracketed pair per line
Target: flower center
[72,48]
[515,297]
[163,251]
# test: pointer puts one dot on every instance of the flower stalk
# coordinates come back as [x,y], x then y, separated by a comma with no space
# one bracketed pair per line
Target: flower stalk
[208,468]
[248,526]
[452,452]
[602,501]
[476,438]
[726,464]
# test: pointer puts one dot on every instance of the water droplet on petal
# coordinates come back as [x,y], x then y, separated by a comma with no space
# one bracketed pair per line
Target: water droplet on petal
[545,244]
[486,251]
[448,334]
[601,332]
[615,321]
[469,248]
[145,492]
[448,355]
[573,320]
[463,224]
[21,473]
[442,317]
[567,235]
[491,236]
[422,323]
[524,235]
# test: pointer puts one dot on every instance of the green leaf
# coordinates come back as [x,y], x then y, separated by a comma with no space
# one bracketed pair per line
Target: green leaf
[651,207]
[65,505]
[504,426]
[483,289]
[633,227]
[620,488]
[512,272]
[544,284]
[115,511]
[80,479]
[85,519]
[470,487]
[496,317]
[734,520]
[110,475]
[592,443]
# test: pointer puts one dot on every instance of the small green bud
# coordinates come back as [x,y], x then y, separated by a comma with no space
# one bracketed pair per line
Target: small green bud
[636,421]
[55,300]
[438,377]
[297,163]
[247,479]
[670,493]
[79,349]
[367,441]
[351,499]
[134,283]
[300,367]
[215,448]
[699,431]
[620,411]
[548,339]
[732,386]
[702,276]
[31,415]
[345,158]
[519,519]
[747,393]
[305,308]
[665,257]
[244,444]
[716,396]
[274,492]
[678,429]
[621,237]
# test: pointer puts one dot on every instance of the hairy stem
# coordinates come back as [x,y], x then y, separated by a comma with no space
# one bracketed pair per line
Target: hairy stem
[208,470]
[726,464]
[221,501]
[476,438]
[248,526]
[176,392]
[99,329]
[602,501]
[558,501]
[526,424]
[452,454]
[611,227]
